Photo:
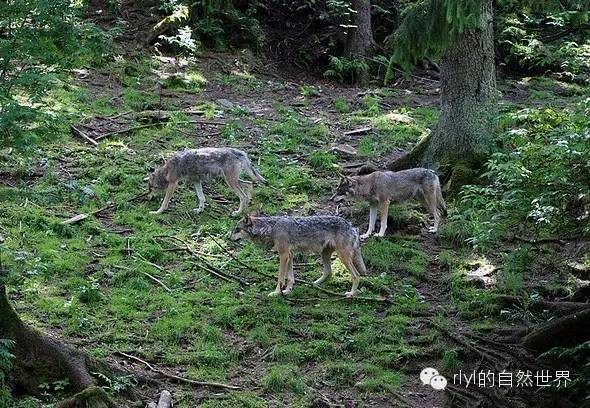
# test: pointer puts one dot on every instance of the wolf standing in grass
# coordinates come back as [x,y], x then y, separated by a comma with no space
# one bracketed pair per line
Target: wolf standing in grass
[382,187]
[197,165]
[318,234]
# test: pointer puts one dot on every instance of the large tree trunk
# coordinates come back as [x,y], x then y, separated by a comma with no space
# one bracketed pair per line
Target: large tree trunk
[41,359]
[468,98]
[359,41]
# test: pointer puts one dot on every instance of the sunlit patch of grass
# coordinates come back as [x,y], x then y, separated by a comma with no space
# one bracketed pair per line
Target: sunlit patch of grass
[387,256]
[189,81]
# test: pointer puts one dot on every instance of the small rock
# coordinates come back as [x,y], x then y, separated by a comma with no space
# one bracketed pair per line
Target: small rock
[344,150]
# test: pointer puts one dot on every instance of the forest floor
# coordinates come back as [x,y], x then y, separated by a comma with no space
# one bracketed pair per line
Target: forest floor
[92,283]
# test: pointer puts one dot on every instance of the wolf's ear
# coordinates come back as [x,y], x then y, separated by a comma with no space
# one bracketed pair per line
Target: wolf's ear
[248,220]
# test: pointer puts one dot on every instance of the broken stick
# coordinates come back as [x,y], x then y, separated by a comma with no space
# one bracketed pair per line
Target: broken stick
[83,135]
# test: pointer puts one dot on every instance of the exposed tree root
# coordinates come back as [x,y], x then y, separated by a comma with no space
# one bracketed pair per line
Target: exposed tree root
[563,331]
[176,377]
[41,358]
[559,308]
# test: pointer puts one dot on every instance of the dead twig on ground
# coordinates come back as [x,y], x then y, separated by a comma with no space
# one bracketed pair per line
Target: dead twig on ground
[358,131]
[176,377]
[205,265]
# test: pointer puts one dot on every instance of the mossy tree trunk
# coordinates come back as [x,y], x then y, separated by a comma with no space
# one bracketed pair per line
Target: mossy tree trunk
[40,358]
[468,100]
[359,40]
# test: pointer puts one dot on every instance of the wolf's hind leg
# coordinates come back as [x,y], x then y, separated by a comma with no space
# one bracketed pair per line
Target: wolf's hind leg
[345,256]
[290,275]
[200,196]
[167,197]
[430,200]
[384,214]
[372,220]
[232,178]
[327,261]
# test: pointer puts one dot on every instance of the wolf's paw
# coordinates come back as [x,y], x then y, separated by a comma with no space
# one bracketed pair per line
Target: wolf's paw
[432,230]
[156,212]
[350,294]
[235,213]
[199,210]
[380,235]
[286,291]
[365,236]
[318,282]
[274,293]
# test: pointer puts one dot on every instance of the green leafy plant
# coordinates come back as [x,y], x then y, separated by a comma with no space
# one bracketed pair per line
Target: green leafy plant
[39,39]
[345,70]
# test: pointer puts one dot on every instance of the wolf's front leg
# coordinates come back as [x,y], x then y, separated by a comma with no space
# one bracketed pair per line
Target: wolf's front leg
[200,196]
[284,258]
[372,220]
[384,214]
[167,197]
[290,276]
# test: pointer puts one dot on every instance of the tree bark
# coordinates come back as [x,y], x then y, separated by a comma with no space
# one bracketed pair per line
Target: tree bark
[41,359]
[468,96]
[359,41]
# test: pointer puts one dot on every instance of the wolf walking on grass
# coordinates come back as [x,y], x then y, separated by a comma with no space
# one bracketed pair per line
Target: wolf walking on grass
[198,165]
[381,188]
[318,234]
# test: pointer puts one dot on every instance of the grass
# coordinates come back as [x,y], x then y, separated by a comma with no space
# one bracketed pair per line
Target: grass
[88,280]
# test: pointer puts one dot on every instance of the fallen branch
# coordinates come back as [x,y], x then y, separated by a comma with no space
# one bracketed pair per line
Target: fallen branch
[176,377]
[83,135]
[358,131]
[83,216]
[158,281]
[205,265]
[148,125]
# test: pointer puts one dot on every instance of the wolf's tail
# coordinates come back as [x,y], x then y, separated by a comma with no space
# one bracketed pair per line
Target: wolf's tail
[440,201]
[251,170]
[357,260]
[357,256]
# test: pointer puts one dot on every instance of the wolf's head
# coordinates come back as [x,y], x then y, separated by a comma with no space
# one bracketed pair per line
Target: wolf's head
[157,179]
[345,189]
[243,229]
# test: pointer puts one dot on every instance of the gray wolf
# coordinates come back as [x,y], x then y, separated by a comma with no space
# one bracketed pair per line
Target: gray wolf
[198,165]
[381,188]
[318,234]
